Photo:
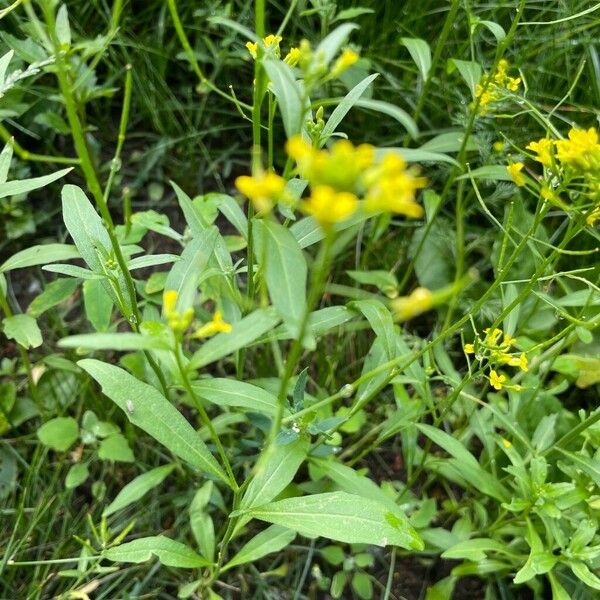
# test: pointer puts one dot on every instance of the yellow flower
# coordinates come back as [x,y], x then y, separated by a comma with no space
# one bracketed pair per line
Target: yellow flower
[543,149]
[264,189]
[514,170]
[469,348]
[177,322]
[496,380]
[508,341]
[498,146]
[252,48]
[216,325]
[340,168]
[513,83]
[328,206]
[519,361]
[271,41]
[392,188]
[581,150]
[344,61]
[492,336]
[506,443]
[292,57]
[169,302]
[418,302]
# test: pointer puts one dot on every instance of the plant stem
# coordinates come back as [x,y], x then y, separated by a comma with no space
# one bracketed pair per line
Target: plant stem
[91,178]
[204,417]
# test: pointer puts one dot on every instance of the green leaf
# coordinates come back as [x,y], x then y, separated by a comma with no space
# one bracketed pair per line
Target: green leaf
[151,260]
[497,30]
[98,305]
[381,321]
[275,472]
[201,522]
[420,52]
[123,342]
[23,329]
[391,110]
[272,539]
[243,333]
[351,482]
[55,292]
[588,465]
[342,109]
[228,392]
[90,236]
[582,572]
[58,433]
[475,549]
[138,488]
[331,44]
[40,255]
[23,186]
[115,447]
[412,155]
[489,173]
[285,271]
[469,70]
[451,141]
[343,517]
[147,408]
[4,62]
[193,217]
[185,274]
[169,552]
[351,13]
[361,584]
[76,475]
[289,95]
[63,31]
[75,271]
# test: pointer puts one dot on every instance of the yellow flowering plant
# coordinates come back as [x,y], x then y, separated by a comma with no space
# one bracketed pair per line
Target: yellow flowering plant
[368,339]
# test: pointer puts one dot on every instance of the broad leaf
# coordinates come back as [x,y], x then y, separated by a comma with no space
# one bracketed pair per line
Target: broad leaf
[23,329]
[147,408]
[229,392]
[343,517]
[169,552]
[40,255]
[58,433]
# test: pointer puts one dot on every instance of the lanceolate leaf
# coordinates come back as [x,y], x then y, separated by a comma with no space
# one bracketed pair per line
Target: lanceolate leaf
[285,271]
[169,552]
[342,517]
[137,488]
[40,255]
[272,539]
[229,392]
[147,408]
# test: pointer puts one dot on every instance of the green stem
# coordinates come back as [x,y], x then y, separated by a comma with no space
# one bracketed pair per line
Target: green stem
[191,56]
[77,132]
[26,155]
[204,417]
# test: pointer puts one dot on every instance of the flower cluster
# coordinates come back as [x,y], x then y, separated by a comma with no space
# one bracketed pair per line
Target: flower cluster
[577,157]
[496,349]
[496,88]
[180,322]
[340,176]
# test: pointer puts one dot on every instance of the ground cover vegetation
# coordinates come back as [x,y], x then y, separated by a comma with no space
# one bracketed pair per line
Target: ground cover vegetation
[299,299]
